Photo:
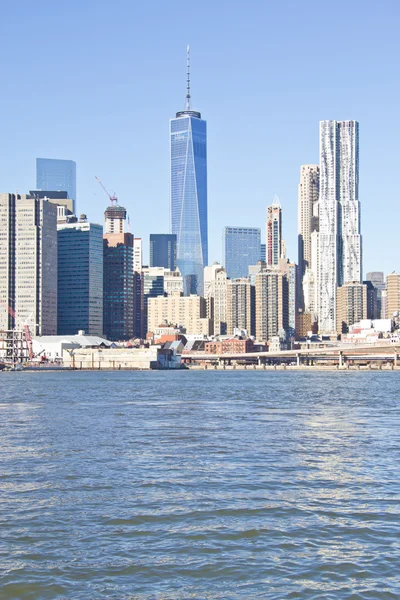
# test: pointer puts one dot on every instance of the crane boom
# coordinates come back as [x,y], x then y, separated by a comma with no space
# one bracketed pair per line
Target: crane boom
[113,198]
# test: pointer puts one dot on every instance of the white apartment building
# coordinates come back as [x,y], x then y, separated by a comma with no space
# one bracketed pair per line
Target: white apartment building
[215,283]
[339,238]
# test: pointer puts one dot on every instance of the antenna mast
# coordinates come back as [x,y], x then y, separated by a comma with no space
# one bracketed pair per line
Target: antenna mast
[188,78]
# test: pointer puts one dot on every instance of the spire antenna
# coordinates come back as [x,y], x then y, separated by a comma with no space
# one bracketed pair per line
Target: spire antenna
[188,78]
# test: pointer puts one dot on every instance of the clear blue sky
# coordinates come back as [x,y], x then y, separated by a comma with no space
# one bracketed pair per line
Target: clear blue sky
[97,82]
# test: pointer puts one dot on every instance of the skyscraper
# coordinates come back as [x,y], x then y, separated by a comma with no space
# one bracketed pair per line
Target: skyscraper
[163,250]
[242,248]
[274,233]
[308,195]
[339,238]
[118,279]
[58,175]
[188,152]
[80,277]
[28,263]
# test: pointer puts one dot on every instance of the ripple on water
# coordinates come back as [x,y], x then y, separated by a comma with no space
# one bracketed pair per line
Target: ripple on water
[200,485]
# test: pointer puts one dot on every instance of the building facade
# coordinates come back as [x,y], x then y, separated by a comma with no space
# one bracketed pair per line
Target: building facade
[137,255]
[392,295]
[163,250]
[241,248]
[216,300]
[188,153]
[240,306]
[308,222]
[377,278]
[28,263]
[118,276]
[352,303]
[80,278]
[271,304]
[339,237]
[188,312]
[274,234]
[58,175]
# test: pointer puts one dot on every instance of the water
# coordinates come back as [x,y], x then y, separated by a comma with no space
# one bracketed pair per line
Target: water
[199,485]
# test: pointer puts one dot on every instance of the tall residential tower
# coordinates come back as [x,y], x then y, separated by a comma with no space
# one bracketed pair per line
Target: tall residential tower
[339,238]
[274,233]
[188,151]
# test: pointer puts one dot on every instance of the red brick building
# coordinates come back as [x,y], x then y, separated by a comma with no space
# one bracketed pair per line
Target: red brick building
[229,346]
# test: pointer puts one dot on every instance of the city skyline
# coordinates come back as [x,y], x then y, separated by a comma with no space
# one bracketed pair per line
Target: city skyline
[242,167]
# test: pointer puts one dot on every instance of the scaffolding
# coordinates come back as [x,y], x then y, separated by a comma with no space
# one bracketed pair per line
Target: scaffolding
[13,346]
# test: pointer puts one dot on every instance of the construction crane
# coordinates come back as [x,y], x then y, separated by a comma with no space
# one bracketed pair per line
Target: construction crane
[113,198]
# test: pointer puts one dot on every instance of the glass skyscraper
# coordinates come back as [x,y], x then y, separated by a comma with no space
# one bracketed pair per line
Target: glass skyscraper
[242,248]
[188,151]
[53,174]
[80,278]
[163,250]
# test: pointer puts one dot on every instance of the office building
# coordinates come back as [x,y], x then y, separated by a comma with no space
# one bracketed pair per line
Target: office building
[56,174]
[372,301]
[188,312]
[339,237]
[80,277]
[392,295]
[163,250]
[274,234]
[118,278]
[271,304]
[240,306]
[215,276]
[308,195]
[377,278]
[242,248]
[352,303]
[263,255]
[28,264]
[188,147]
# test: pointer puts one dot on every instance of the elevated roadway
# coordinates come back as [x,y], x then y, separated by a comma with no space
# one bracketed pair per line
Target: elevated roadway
[338,354]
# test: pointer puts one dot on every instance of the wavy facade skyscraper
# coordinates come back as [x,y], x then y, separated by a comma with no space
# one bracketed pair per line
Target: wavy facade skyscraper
[188,193]
[339,237]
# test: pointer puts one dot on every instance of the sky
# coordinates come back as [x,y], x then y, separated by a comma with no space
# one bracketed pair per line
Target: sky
[97,82]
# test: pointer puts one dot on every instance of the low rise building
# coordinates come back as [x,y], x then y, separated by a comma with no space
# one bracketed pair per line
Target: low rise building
[229,346]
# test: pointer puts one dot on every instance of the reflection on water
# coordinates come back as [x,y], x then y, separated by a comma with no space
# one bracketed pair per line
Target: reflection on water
[199,485]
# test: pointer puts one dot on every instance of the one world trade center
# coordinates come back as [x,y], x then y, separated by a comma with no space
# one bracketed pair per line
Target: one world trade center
[188,151]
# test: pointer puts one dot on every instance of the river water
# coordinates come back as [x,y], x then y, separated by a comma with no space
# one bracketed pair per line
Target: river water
[180,485]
